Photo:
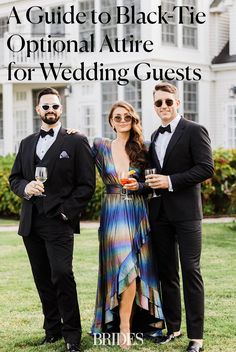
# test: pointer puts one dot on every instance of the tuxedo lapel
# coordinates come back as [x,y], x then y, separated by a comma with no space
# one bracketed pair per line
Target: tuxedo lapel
[174,139]
[30,160]
[154,156]
[53,152]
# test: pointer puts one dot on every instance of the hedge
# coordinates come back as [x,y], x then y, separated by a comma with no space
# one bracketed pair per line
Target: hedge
[218,193]
[9,202]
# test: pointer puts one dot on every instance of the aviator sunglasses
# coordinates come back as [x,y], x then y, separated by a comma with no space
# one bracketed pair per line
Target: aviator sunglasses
[46,107]
[159,102]
[126,118]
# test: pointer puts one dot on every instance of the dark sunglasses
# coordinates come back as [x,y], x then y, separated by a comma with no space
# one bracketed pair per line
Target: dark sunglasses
[48,106]
[158,103]
[126,118]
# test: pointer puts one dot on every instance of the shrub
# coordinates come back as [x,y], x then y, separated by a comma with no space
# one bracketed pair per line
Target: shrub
[92,211]
[9,202]
[218,193]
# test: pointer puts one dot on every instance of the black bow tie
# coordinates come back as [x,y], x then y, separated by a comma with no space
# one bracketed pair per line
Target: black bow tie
[164,129]
[44,133]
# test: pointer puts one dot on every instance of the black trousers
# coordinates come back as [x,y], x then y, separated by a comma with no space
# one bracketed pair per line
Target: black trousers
[173,241]
[50,252]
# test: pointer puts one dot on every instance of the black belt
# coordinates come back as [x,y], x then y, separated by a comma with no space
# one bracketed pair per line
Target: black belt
[114,189]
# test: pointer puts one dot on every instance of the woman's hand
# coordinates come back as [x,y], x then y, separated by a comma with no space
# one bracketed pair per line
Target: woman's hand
[132,185]
[72,131]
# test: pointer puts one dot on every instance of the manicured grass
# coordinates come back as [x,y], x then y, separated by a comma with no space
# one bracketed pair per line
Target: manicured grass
[20,311]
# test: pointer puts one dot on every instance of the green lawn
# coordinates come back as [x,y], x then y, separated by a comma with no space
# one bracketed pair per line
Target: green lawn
[20,313]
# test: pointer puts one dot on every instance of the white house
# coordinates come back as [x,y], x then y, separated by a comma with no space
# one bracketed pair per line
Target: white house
[210,47]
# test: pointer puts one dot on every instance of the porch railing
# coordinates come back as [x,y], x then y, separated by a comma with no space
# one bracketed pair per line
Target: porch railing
[20,57]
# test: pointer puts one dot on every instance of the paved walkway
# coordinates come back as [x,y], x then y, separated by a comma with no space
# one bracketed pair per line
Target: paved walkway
[83,225]
[95,224]
[218,220]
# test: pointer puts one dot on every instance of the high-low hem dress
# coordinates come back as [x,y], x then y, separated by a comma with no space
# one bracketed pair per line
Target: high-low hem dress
[124,252]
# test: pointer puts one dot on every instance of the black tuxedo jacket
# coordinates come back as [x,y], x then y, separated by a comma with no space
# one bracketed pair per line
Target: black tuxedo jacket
[188,161]
[71,177]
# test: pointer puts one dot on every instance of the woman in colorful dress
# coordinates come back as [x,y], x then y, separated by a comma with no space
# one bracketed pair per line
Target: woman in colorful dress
[127,286]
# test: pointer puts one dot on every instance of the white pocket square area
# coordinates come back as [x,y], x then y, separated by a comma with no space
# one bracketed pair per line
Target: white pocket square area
[64,155]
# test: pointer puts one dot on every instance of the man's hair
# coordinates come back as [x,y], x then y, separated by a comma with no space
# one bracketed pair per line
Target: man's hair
[166,87]
[47,91]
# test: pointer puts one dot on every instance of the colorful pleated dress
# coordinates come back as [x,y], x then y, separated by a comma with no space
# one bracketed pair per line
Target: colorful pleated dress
[124,253]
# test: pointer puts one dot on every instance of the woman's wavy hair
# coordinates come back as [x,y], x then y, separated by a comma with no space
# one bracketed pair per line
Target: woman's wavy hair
[135,147]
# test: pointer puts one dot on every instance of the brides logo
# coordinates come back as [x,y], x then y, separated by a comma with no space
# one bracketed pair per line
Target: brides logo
[112,339]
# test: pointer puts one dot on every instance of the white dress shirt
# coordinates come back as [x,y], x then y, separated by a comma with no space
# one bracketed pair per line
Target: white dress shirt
[44,143]
[162,142]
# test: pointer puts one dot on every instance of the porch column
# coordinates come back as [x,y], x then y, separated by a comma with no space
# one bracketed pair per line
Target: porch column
[8,126]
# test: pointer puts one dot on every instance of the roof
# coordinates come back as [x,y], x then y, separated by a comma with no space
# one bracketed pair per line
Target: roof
[224,57]
[215,3]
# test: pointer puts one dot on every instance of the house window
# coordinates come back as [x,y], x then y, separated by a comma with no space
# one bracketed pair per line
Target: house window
[109,97]
[169,31]
[37,29]
[87,89]
[134,29]
[231,119]
[3,26]
[87,28]
[191,101]
[109,29]
[1,117]
[189,30]
[88,122]
[20,124]
[58,29]
[133,95]
[20,127]
[21,96]
[37,119]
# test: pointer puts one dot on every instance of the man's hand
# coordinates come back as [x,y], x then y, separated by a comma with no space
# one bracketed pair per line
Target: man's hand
[132,185]
[34,188]
[157,181]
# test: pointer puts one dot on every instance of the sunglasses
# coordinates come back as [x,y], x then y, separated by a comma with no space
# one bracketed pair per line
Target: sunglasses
[158,103]
[126,118]
[46,107]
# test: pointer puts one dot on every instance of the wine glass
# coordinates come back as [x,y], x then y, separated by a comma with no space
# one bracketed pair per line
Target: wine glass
[41,174]
[151,172]
[124,180]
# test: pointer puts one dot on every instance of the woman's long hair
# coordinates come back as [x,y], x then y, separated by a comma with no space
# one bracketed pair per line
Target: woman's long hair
[135,147]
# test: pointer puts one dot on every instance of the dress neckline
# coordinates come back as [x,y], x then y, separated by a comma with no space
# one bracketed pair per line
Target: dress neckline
[112,159]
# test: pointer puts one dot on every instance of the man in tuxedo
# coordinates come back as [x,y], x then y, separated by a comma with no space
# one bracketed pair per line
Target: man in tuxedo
[48,222]
[181,153]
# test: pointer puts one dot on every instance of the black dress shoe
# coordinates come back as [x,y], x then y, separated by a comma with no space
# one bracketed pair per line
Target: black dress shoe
[194,347]
[72,347]
[153,335]
[166,339]
[50,339]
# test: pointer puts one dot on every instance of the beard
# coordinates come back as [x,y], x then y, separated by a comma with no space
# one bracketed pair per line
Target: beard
[50,120]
